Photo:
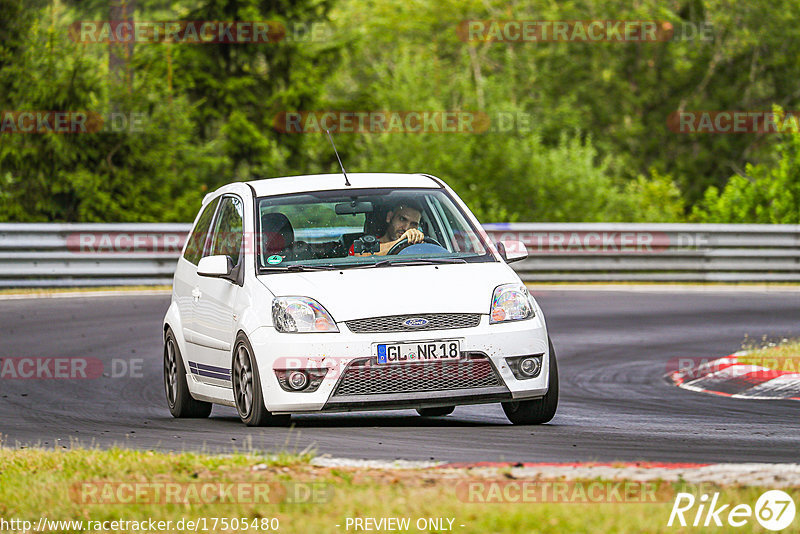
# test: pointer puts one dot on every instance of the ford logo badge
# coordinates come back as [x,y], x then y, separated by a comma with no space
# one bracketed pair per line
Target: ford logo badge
[415,322]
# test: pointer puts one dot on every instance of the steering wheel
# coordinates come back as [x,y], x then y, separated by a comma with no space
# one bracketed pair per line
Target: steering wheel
[403,243]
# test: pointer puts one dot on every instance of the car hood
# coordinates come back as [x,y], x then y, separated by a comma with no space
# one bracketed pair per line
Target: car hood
[373,292]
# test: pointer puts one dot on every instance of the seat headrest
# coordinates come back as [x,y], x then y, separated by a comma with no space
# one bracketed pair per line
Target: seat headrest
[277,232]
[375,222]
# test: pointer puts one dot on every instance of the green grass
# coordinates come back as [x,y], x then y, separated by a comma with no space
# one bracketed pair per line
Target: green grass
[37,482]
[782,356]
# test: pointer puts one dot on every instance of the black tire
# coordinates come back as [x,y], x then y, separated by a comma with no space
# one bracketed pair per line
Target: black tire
[179,399]
[436,412]
[537,411]
[247,393]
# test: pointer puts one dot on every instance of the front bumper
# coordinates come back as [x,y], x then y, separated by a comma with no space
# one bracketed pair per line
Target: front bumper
[338,351]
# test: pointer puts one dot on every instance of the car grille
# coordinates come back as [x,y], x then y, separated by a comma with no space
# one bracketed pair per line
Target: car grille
[394,323]
[364,377]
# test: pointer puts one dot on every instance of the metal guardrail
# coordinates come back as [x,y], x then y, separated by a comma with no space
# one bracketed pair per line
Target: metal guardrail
[76,255]
[49,255]
[655,252]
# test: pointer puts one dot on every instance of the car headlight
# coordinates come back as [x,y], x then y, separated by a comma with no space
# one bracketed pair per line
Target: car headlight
[511,302]
[301,314]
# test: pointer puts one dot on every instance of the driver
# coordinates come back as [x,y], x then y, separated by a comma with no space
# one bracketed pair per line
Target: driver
[402,223]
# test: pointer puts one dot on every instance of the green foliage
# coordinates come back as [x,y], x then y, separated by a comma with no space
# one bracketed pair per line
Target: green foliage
[505,178]
[202,123]
[765,193]
[124,172]
[594,145]
[657,199]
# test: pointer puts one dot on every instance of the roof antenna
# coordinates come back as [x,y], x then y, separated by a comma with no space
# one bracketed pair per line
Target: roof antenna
[346,181]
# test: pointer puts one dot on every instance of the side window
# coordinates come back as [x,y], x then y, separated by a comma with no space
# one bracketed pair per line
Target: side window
[197,239]
[443,226]
[228,229]
[457,229]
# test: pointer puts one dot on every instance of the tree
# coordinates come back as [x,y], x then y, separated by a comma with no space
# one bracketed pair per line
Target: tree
[242,87]
[764,193]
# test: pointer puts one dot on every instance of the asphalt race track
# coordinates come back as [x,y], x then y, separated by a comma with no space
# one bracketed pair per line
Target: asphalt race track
[613,348]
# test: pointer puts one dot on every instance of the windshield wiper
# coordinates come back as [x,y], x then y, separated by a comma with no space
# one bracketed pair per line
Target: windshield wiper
[300,267]
[382,263]
[419,261]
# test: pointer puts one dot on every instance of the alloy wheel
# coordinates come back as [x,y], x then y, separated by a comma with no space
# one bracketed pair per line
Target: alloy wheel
[243,381]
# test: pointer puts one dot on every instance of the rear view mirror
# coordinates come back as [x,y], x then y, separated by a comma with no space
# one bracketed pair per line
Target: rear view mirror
[352,208]
[215,266]
[512,251]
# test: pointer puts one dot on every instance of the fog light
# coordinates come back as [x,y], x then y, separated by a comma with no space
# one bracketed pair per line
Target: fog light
[525,367]
[530,366]
[298,380]
[301,380]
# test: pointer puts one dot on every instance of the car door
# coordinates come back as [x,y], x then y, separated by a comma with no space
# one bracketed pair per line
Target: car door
[185,281]
[213,318]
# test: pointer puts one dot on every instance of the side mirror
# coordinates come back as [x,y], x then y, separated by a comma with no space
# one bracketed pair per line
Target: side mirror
[512,251]
[215,266]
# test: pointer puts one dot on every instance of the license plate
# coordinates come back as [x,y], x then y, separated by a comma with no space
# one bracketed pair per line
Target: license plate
[423,351]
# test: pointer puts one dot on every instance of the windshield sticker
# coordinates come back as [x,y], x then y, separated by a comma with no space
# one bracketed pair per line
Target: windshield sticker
[274,260]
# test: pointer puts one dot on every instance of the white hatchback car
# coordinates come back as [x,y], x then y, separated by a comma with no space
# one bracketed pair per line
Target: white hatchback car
[313,294]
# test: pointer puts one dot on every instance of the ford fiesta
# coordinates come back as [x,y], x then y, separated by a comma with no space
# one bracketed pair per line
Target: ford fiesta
[334,293]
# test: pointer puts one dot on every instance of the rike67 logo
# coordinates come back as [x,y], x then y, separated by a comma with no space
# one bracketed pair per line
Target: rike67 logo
[774,510]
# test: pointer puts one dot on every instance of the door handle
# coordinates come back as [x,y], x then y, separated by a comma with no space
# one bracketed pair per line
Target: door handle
[196,294]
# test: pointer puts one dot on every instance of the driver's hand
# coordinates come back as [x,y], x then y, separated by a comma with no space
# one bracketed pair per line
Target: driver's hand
[413,235]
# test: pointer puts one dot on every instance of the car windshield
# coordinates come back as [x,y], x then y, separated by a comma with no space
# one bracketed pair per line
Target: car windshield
[364,228]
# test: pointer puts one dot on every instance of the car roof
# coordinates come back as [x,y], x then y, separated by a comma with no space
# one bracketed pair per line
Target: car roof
[327,182]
